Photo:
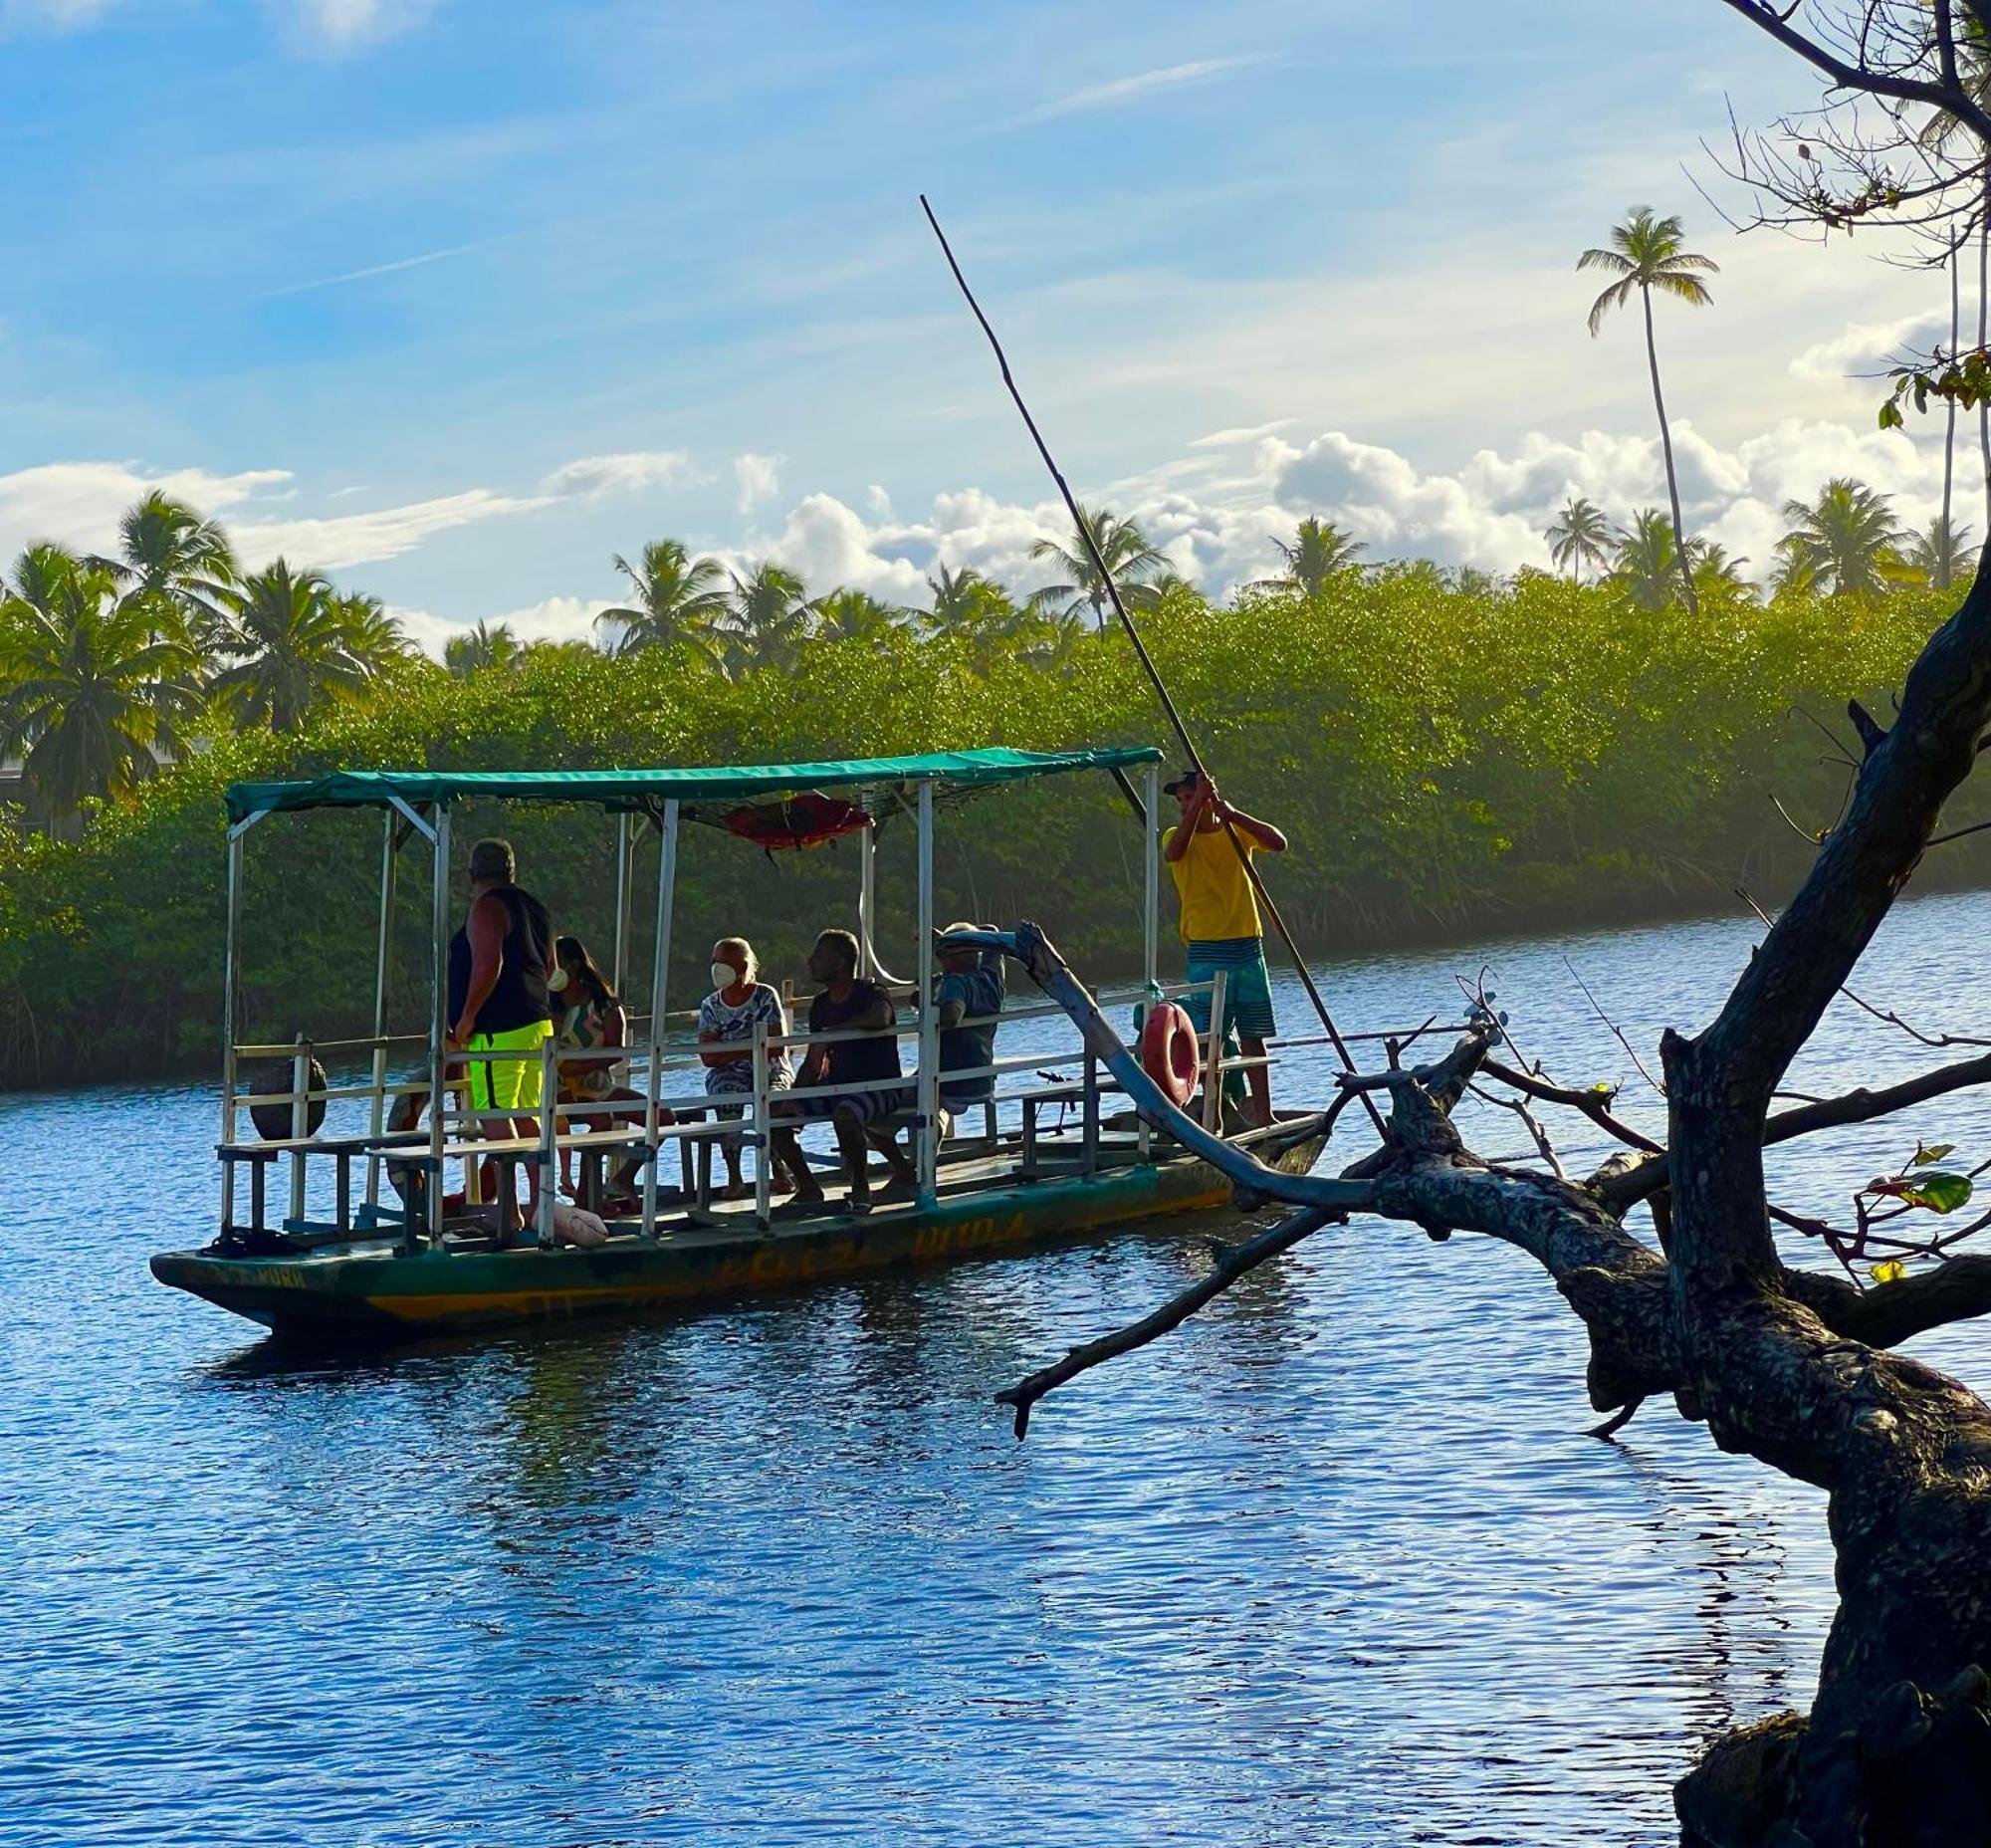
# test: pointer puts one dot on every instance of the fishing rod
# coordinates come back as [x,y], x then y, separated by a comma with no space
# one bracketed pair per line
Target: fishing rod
[1091,543]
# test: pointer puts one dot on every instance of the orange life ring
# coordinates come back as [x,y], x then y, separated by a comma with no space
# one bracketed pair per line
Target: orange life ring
[1170,1053]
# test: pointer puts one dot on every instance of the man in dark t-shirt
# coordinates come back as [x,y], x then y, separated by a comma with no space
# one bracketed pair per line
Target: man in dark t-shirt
[846,1004]
[499,965]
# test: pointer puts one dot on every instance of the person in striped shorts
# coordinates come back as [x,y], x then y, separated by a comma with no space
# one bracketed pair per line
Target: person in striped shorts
[1218,922]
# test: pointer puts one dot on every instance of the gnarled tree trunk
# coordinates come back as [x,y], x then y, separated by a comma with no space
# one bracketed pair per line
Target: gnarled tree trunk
[1783,1365]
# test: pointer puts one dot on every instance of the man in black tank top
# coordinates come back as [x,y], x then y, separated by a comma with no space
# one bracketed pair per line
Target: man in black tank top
[499,1001]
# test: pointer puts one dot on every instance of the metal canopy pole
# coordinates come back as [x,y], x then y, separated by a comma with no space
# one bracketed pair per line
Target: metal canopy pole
[439,1025]
[867,898]
[1152,924]
[926,1115]
[624,847]
[228,1010]
[660,964]
[379,1121]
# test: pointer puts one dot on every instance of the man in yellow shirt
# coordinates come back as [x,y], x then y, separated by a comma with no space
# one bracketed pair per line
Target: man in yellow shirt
[1220,924]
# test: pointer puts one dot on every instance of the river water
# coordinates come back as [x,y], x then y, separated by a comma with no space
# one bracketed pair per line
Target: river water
[1333,1564]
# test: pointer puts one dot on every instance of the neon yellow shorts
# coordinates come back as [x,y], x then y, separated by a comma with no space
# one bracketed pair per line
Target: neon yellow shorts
[508,1086]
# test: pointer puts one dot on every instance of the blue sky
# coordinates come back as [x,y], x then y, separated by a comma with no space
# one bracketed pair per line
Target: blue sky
[460,299]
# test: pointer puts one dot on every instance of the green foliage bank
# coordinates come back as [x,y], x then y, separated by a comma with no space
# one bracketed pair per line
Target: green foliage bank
[1446,759]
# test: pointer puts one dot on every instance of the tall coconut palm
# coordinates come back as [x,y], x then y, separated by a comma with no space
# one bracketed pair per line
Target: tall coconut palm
[1646,254]
[1128,556]
[675,599]
[1973,63]
[1940,554]
[1579,536]
[90,695]
[1320,553]
[1847,543]
[177,560]
[769,617]
[855,616]
[482,645]
[289,648]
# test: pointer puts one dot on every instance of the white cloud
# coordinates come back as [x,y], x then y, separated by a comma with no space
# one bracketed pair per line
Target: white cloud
[759,478]
[346,23]
[365,539]
[79,504]
[51,15]
[1230,439]
[1489,512]
[1865,350]
[623,473]
[557,618]
[372,269]
[831,546]
[1123,90]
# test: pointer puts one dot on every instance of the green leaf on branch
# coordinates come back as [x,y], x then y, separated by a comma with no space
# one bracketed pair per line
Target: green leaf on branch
[1937,1189]
[1889,1271]
[1927,1153]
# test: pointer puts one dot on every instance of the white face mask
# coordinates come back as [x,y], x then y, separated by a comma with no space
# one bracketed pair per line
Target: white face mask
[557,980]
[724,975]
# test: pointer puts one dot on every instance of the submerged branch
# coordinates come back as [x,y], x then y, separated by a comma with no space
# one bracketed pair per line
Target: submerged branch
[1234,1263]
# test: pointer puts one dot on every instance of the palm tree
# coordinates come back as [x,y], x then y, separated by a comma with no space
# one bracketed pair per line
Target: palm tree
[177,561]
[94,697]
[1941,554]
[371,637]
[1129,559]
[1320,553]
[1578,536]
[1647,254]
[1714,570]
[1974,59]
[768,619]
[291,646]
[1645,561]
[675,599]
[1060,649]
[982,613]
[1847,543]
[855,616]
[482,645]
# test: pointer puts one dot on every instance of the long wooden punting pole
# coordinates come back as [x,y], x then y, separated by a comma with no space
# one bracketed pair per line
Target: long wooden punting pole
[1091,543]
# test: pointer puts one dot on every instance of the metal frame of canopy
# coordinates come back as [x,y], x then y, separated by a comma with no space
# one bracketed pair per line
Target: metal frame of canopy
[421,801]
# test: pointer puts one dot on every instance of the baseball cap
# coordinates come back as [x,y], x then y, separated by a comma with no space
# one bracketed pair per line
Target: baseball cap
[1186,780]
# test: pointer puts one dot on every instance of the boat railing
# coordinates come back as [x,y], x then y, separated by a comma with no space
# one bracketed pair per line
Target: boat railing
[645,1122]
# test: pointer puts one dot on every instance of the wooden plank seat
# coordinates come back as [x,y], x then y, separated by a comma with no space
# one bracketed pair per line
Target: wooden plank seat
[319,1145]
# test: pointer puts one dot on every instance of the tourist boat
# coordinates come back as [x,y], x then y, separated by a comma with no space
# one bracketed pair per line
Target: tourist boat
[354,1256]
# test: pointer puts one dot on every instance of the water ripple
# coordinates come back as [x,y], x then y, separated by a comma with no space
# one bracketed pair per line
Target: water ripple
[1332,1564]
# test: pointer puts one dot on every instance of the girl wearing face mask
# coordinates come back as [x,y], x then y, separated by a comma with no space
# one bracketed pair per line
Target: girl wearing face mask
[593,1030]
[725,1021]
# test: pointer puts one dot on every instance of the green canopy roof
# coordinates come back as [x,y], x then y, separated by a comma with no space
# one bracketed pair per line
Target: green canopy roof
[644,789]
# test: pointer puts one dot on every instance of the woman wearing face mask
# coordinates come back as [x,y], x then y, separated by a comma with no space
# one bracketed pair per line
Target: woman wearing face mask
[593,1030]
[725,1021]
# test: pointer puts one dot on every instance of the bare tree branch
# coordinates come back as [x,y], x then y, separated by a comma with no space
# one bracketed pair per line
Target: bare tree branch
[1233,1265]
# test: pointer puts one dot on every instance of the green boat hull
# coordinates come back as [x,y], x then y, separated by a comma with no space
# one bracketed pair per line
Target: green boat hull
[376,1290]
